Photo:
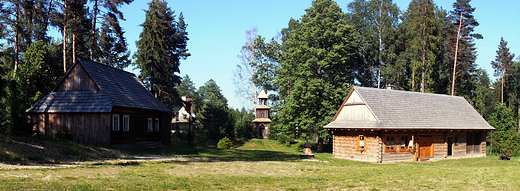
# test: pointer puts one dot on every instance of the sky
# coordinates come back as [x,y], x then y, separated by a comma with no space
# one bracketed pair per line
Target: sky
[217,32]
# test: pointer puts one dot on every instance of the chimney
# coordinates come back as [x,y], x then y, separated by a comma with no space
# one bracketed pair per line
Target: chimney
[389,87]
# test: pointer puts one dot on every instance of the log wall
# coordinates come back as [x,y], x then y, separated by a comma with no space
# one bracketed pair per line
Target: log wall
[344,146]
[345,141]
[86,128]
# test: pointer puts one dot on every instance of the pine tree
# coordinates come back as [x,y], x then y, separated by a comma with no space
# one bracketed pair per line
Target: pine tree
[160,48]
[461,45]
[503,65]
[110,46]
[317,70]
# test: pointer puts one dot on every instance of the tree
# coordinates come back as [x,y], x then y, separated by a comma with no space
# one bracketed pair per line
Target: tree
[317,70]
[461,19]
[11,15]
[243,74]
[375,21]
[160,48]
[267,58]
[484,102]
[503,64]
[505,135]
[424,35]
[214,114]
[110,16]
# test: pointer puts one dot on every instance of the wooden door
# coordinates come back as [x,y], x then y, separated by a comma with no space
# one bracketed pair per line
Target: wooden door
[425,146]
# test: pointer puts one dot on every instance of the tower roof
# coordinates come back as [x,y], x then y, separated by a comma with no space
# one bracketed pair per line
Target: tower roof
[262,95]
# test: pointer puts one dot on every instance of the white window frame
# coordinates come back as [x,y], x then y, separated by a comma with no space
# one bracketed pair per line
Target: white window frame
[150,124]
[115,122]
[126,123]
[156,124]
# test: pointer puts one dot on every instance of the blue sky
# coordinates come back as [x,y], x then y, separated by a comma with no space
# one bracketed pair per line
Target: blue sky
[217,32]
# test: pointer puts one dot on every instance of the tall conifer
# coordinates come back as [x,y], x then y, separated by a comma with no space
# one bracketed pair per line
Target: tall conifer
[460,45]
[503,65]
[160,47]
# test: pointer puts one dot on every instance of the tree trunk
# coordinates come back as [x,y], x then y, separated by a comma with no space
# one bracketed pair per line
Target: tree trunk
[380,28]
[455,59]
[93,43]
[16,27]
[73,39]
[320,144]
[502,89]
[65,37]
[73,47]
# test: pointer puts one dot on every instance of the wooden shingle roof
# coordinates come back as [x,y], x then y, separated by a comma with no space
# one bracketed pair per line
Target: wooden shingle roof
[394,109]
[117,88]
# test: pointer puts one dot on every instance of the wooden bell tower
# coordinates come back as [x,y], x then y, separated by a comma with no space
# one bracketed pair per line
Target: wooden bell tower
[262,120]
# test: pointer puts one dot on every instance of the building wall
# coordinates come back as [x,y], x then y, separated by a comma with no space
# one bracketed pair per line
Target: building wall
[344,146]
[96,128]
[86,128]
[138,130]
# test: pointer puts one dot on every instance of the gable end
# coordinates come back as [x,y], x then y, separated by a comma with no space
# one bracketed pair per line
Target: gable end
[76,79]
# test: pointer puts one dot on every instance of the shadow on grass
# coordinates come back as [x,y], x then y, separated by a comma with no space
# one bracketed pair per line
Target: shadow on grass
[240,142]
[213,154]
[122,163]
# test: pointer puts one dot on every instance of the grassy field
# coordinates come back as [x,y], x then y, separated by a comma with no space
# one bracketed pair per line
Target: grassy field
[266,165]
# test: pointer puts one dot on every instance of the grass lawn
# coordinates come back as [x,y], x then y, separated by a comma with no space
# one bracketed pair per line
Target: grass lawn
[266,165]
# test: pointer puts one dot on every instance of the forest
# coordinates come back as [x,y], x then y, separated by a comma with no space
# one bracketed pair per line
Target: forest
[307,71]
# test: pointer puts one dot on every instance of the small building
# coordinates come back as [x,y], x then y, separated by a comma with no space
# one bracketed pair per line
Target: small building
[262,120]
[183,115]
[384,125]
[101,105]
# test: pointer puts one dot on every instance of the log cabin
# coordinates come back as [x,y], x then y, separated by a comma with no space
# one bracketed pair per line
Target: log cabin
[385,125]
[101,105]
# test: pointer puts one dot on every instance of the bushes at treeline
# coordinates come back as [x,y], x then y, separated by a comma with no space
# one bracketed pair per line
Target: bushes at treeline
[505,136]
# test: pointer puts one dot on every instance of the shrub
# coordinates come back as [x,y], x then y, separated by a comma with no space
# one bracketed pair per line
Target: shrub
[284,139]
[224,143]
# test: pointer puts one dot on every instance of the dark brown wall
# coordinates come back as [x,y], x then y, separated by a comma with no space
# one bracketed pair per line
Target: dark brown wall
[138,130]
[87,128]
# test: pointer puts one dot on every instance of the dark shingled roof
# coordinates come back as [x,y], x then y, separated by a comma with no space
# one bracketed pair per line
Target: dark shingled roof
[394,109]
[118,88]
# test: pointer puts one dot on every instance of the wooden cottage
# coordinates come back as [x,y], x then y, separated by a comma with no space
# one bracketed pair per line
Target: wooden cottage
[101,105]
[383,125]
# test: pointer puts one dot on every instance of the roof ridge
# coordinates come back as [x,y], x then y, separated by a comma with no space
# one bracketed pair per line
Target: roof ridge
[409,92]
[87,60]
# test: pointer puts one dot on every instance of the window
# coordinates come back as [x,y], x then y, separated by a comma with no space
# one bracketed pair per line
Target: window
[405,141]
[261,114]
[361,143]
[150,125]
[126,122]
[115,122]
[390,144]
[156,124]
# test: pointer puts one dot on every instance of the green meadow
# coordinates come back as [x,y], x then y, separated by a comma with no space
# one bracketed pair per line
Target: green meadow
[260,165]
